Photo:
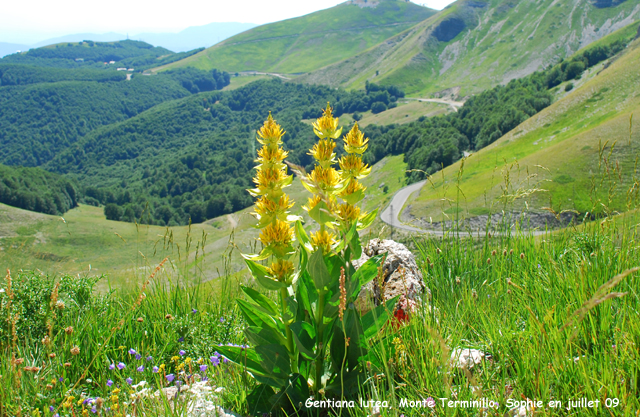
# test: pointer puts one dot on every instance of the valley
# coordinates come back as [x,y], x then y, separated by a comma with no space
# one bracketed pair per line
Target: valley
[377,201]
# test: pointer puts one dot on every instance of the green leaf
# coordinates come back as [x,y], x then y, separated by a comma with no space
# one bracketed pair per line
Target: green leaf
[374,320]
[247,358]
[261,275]
[294,393]
[344,242]
[264,303]
[264,336]
[355,246]
[365,274]
[307,293]
[367,220]
[305,337]
[274,360]
[318,271]
[302,236]
[353,198]
[321,213]
[292,309]
[258,400]
[255,317]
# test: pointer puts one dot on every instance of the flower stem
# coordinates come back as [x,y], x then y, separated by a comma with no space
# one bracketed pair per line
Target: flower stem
[321,347]
[292,354]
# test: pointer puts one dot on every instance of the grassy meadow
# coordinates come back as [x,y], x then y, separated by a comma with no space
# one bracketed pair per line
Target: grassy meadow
[556,315]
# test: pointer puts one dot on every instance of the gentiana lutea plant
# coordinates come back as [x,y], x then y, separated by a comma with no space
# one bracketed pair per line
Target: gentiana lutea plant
[312,342]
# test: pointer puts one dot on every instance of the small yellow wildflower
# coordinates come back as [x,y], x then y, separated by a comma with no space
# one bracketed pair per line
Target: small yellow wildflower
[278,235]
[281,270]
[348,213]
[327,126]
[188,360]
[180,367]
[270,132]
[326,179]
[116,391]
[322,239]
[353,167]
[323,152]
[162,367]
[354,141]
[175,358]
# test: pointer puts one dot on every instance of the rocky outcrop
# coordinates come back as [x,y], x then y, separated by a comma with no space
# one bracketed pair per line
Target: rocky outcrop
[400,276]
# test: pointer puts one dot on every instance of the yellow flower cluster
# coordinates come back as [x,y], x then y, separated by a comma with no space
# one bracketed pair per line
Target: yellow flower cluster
[272,207]
[351,170]
[324,181]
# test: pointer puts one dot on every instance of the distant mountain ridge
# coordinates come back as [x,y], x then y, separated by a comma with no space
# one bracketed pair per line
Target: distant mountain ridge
[188,39]
[309,42]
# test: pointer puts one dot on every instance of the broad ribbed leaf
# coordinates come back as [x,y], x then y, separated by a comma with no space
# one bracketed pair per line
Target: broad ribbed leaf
[261,300]
[374,320]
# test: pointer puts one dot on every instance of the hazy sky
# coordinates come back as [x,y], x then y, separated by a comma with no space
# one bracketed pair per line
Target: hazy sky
[35,20]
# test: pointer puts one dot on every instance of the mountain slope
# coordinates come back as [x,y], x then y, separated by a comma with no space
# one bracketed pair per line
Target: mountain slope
[474,44]
[310,42]
[581,150]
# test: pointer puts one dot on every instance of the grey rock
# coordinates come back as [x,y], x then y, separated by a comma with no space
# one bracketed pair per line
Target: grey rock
[400,276]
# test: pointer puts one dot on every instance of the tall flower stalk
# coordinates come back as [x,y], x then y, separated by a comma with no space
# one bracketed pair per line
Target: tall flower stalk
[312,341]
[272,212]
[352,169]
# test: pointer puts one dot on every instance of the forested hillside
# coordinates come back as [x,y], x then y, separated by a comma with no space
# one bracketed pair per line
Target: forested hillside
[193,158]
[45,110]
[37,190]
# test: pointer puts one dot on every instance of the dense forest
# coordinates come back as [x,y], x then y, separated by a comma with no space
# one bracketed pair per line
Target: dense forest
[37,190]
[191,158]
[40,117]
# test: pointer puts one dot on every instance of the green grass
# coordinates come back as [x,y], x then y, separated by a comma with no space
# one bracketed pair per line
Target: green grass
[309,42]
[563,141]
[537,305]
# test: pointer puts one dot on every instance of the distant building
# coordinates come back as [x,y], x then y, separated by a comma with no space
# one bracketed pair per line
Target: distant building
[121,69]
[112,62]
[130,70]
[79,59]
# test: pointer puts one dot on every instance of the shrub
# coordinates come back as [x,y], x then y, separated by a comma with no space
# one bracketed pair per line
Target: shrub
[378,107]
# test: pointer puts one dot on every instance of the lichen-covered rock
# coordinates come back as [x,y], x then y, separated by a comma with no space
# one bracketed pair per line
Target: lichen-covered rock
[400,276]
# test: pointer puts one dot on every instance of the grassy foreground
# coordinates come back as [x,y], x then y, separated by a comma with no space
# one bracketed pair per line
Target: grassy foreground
[556,323]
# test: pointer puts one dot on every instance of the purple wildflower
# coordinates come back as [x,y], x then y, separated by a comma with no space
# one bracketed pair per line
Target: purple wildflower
[431,403]
[204,379]
[61,379]
[129,381]
[121,366]
[225,360]
[109,382]
[149,358]
[132,351]
[51,408]
[203,368]
[140,368]
[170,377]
[94,410]
[215,360]
[194,311]
[221,319]
[112,367]
[182,353]
[155,369]
[138,357]
[181,340]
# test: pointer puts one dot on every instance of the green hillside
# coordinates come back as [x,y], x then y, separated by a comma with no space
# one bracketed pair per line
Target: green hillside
[310,42]
[37,190]
[126,53]
[475,44]
[582,151]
